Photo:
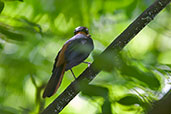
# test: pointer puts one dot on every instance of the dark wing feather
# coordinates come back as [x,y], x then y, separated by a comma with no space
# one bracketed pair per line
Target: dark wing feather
[56,59]
[55,81]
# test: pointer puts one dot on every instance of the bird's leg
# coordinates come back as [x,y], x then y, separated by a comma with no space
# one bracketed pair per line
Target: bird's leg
[73,73]
[87,63]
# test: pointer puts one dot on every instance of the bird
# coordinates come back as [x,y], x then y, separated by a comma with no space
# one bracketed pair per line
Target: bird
[74,51]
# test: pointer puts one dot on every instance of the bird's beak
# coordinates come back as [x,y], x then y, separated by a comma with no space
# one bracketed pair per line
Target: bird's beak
[88,35]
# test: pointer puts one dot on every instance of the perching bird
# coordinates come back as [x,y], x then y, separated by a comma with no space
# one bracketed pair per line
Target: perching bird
[73,52]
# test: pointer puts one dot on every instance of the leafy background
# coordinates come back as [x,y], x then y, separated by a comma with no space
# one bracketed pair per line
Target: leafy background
[33,31]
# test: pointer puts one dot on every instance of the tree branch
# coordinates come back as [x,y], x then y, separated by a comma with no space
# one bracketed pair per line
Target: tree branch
[162,106]
[117,45]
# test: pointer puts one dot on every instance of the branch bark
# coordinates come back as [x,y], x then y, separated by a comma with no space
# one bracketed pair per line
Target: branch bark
[117,45]
[162,106]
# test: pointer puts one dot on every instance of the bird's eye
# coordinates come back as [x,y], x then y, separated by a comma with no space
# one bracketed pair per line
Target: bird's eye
[86,31]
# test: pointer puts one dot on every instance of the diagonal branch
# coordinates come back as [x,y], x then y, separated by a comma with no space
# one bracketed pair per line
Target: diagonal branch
[162,106]
[117,45]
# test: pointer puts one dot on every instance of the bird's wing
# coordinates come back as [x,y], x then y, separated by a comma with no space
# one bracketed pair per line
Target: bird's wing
[78,50]
[57,73]
[60,58]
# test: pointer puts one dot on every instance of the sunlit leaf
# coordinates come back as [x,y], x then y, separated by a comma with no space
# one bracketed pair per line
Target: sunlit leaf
[14,0]
[33,80]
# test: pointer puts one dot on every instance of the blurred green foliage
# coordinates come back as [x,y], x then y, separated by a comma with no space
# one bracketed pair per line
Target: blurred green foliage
[33,31]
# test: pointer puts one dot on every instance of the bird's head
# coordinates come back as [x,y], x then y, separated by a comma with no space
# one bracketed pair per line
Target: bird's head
[81,30]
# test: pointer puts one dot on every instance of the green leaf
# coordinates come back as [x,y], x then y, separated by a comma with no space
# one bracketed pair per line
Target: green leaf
[9,33]
[1,6]
[94,90]
[107,61]
[130,99]
[164,69]
[14,0]
[1,47]
[147,77]
[8,110]
[34,27]
[106,107]
[129,9]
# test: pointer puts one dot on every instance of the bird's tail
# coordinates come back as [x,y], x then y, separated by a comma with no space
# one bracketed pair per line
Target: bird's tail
[54,81]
